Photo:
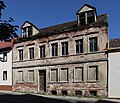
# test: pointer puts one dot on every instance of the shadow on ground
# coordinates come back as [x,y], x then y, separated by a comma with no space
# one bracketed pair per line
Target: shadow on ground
[27,98]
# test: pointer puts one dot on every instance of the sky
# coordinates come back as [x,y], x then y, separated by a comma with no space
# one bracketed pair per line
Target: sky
[45,13]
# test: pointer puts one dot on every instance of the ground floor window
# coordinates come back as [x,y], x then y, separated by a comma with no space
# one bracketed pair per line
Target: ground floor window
[64,74]
[31,75]
[20,76]
[54,75]
[78,74]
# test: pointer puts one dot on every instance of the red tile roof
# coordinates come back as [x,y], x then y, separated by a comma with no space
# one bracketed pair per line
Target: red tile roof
[4,45]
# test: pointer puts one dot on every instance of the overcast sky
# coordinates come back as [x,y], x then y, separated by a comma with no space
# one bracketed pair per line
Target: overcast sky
[44,13]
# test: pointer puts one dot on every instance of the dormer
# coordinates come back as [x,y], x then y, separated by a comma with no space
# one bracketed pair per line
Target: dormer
[86,15]
[28,29]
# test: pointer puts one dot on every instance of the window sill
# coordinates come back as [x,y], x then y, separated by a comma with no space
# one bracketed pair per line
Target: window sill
[79,81]
[92,81]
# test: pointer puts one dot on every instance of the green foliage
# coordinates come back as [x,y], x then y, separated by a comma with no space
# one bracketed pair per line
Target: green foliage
[7,30]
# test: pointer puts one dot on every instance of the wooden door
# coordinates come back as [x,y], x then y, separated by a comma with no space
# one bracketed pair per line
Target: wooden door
[42,76]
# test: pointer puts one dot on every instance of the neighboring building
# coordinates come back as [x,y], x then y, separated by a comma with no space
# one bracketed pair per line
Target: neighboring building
[5,66]
[114,68]
[67,59]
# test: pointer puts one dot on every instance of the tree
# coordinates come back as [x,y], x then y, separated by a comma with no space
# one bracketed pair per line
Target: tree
[7,30]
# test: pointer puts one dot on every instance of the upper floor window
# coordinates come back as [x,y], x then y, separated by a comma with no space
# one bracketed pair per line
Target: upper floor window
[79,46]
[21,54]
[86,17]
[54,49]
[64,48]
[5,56]
[93,44]
[42,51]
[27,31]
[31,53]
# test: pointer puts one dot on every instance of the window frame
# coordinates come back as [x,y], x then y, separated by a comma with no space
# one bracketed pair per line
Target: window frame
[64,48]
[31,53]
[4,75]
[5,57]
[96,78]
[82,76]
[20,52]
[67,76]
[56,75]
[29,76]
[42,51]
[54,49]
[93,45]
[79,45]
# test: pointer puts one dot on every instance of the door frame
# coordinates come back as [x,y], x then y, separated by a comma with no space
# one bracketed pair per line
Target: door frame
[44,73]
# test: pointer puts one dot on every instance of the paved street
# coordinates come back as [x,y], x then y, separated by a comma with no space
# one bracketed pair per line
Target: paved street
[11,97]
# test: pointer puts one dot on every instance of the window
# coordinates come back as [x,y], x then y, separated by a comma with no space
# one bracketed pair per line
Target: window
[79,46]
[54,75]
[93,73]
[20,76]
[64,74]
[4,57]
[90,17]
[4,75]
[82,19]
[27,31]
[42,51]
[78,74]
[86,17]
[54,49]
[21,54]
[31,53]
[93,44]
[31,75]
[64,48]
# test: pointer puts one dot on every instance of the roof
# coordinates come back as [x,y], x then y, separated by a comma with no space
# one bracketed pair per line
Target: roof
[4,45]
[65,27]
[87,6]
[114,43]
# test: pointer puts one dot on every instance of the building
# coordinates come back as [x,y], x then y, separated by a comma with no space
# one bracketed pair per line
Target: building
[64,59]
[114,68]
[6,66]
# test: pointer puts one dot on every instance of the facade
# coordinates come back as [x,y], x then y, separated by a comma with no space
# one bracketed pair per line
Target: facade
[114,68]
[5,66]
[65,59]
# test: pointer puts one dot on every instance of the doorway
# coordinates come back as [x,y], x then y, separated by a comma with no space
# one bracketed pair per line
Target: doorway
[42,80]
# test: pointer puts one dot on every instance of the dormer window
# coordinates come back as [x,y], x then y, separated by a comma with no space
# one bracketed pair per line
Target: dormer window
[86,15]
[27,31]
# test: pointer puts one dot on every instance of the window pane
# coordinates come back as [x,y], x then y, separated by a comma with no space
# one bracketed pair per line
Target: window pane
[20,54]
[42,51]
[31,75]
[90,17]
[79,74]
[54,75]
[54,49]
[92,73]
[4,57]
[65,48]
[79,46]
[31,52]
[82,19]
[93,44]
[64,74]
[29,31]
[4,75]
[20,76]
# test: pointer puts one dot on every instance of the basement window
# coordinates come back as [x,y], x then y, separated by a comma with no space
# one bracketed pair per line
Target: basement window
[64,92]
[93,93]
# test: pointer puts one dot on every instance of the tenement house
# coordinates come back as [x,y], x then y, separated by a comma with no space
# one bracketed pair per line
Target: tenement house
[64,59]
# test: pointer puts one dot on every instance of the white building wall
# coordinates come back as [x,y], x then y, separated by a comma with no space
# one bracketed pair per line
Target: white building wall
[6,66]
[114,75]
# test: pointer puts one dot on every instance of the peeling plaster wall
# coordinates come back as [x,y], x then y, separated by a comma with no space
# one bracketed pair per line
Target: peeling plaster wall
[70,61]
